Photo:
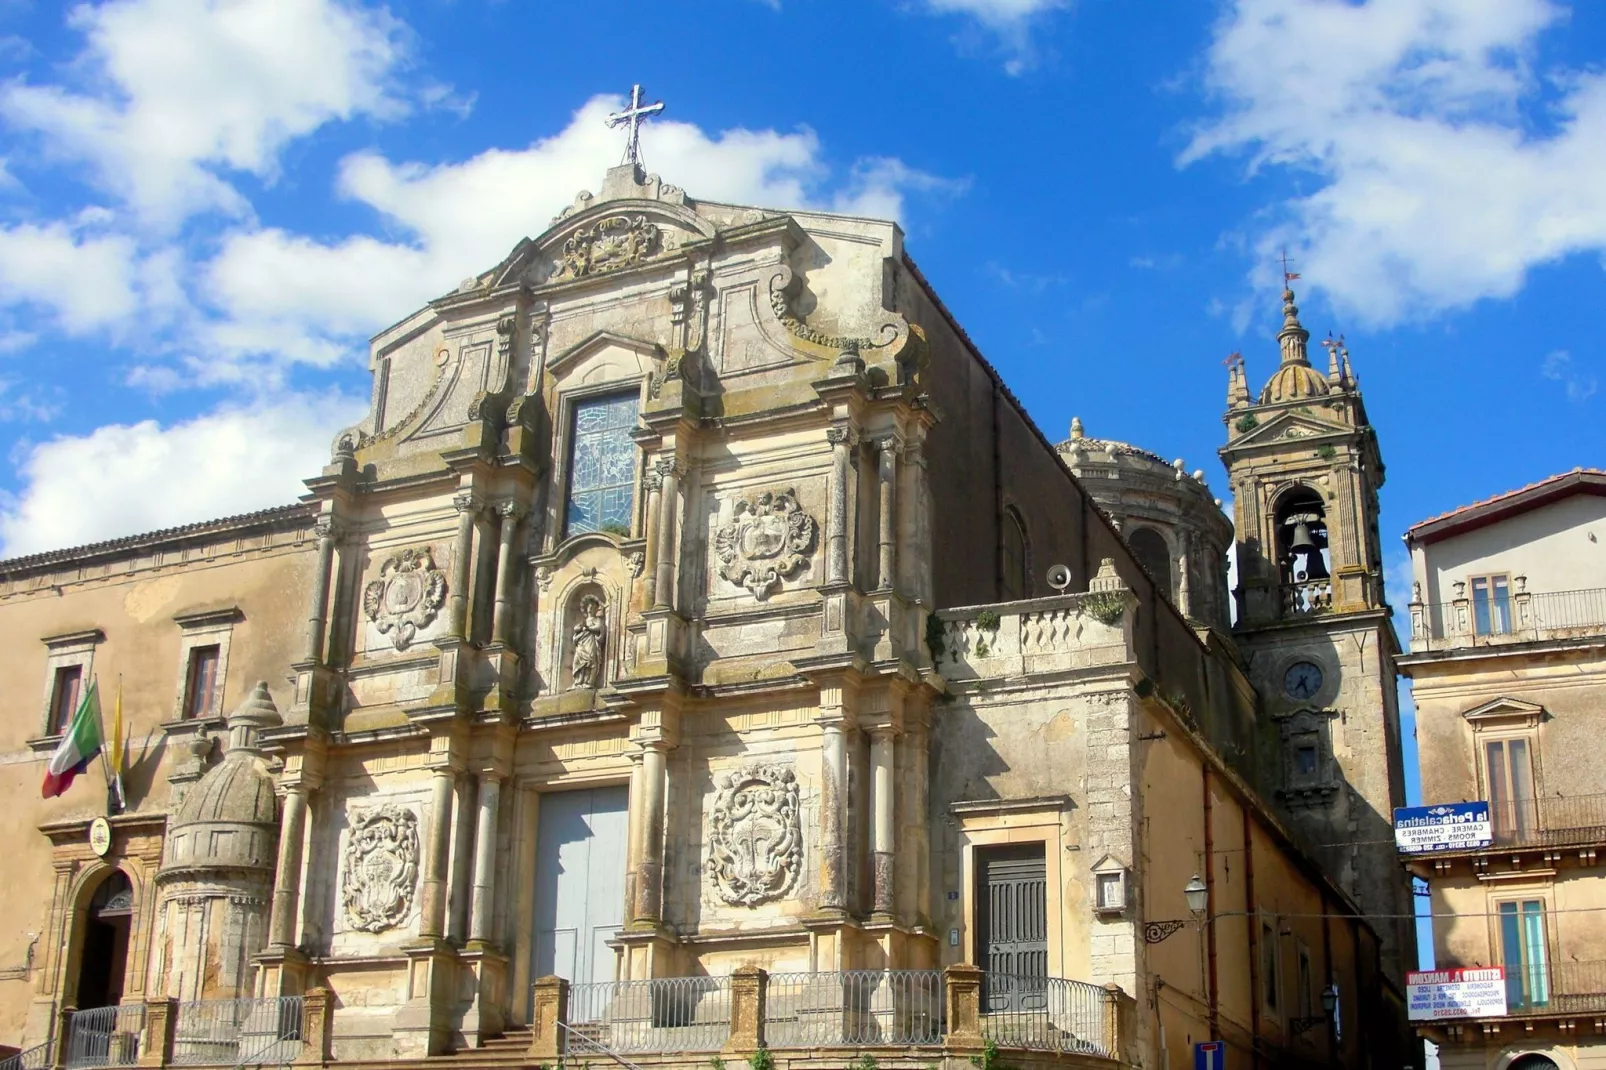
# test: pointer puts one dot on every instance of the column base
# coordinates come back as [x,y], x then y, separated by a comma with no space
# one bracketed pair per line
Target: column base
[282,971]
[646,949]
[425,1023]
[485,970]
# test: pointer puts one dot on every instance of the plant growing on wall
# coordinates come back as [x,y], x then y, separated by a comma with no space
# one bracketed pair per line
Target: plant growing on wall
[986,621]
[1326,452]
[934,636]
[761,1059]
[1106,607]
[1246,423]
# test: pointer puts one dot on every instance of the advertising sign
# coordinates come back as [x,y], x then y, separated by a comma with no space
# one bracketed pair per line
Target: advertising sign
[1440,995]
[1446,827]
[1210,1055]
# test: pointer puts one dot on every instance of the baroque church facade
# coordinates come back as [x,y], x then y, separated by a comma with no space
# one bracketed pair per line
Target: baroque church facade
[696,607]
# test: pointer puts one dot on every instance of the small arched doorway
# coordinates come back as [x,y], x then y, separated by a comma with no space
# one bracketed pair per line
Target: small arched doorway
[105,951]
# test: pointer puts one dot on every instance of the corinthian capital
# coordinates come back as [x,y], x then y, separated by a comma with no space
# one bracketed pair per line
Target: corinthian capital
[510,510]
[671,466]
[839,435]
[465,503]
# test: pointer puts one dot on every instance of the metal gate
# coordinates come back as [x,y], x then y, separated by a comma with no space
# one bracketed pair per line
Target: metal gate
[1012,915]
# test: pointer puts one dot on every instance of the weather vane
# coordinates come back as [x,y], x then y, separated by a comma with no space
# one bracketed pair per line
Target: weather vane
[1288,276]
[633,117]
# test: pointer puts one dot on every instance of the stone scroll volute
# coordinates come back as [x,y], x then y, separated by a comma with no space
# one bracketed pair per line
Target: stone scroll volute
[755,835]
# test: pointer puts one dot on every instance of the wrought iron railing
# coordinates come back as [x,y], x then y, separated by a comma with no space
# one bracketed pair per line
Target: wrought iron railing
[663,1014]
[238,1032]
[854,1008]
[1549,822]
[1044,1014]
[34,1058]
[105,1036]
[1508,617]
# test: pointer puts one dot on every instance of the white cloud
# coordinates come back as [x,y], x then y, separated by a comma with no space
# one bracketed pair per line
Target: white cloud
[143,476]
[1434,190]
[84,280]
[182,91]
[1008,20]
[1558,367]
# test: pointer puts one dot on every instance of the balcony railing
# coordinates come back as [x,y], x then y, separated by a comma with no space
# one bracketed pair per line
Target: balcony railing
[105,1036]
[957,1008]
[37,1057]
[1308,598]
[1518,616]
[1549,822]
[237,1032]
[855,1008]
[1560,988]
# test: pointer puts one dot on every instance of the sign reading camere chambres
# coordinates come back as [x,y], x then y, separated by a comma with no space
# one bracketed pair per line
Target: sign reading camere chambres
[1437,995]
[1446,827]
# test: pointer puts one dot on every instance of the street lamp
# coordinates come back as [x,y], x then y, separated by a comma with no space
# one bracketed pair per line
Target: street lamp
[1329,1004]
[1197,894]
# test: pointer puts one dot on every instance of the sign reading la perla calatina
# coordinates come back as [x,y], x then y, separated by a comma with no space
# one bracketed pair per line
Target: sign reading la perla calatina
[1445,827]
[1436,995]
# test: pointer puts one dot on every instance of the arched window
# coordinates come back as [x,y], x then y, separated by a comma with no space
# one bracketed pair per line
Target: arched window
[1149,547]
[1016,570]
[1302,553]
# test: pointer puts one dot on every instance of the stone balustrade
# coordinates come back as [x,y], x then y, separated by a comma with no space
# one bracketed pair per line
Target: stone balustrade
[1072,631]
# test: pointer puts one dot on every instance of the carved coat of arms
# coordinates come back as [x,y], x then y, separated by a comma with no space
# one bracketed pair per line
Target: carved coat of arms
[767,538]
[608,245]
[755,836]
[409,592]
[380,868]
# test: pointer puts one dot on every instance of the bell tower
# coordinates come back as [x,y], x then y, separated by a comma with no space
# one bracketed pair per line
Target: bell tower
[1311,617]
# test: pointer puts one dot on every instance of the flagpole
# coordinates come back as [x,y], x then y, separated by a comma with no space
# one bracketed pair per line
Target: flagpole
[105,767]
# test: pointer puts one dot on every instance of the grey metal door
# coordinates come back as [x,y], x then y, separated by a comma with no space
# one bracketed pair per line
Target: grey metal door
[1012,917]
[579,882]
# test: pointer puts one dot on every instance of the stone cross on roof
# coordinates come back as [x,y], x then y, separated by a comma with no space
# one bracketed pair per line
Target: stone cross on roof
[633,117]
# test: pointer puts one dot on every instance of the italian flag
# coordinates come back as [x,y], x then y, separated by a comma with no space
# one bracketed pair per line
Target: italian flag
[79,745]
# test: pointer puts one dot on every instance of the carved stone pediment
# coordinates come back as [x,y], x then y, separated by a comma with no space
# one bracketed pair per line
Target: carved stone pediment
[407,595]
[1289,426]
[755,835]
[380,868]
[766,539]
[1505,712]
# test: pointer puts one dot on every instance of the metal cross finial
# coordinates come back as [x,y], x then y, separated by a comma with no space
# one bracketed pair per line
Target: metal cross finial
[632,117]
[1288,276]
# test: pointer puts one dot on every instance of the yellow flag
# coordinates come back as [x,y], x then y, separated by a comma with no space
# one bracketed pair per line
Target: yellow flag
[117,749]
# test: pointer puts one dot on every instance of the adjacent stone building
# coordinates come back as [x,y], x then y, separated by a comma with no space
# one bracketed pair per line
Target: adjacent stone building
[694,601]
[1508,672]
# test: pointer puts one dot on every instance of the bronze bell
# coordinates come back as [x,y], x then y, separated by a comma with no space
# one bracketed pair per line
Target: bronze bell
[1303,541]
[1315,567]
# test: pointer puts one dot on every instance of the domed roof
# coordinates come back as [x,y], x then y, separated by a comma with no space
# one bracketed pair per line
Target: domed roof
[1080,443]
[1295,378]
[230,818]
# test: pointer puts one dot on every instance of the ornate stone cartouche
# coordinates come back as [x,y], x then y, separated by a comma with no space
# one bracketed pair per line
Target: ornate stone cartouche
[768,538]
[755,836]
[407,595]
[380,869]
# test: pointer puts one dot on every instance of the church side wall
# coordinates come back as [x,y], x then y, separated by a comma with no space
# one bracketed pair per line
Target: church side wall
[132,605]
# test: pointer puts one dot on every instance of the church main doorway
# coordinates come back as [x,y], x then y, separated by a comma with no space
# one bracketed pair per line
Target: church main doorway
[105,951]
[1012,923]
[579,882]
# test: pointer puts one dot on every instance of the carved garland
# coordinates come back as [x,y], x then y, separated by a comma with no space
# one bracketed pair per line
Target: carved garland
[755,835]
[765,540]
[380,868]
[407,595]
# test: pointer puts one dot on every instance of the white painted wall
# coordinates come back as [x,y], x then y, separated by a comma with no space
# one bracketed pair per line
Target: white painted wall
[1559,547]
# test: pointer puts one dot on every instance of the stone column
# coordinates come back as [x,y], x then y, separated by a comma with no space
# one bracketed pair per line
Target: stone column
[836,521]
[669,470]
[462,875]
[633,836]
[655,485]
[650,866]
[287,875]
[437,853]
[833,823]
[462,550]
[511,512]
[883,758]
[318,618]
[484,901]
[886,513]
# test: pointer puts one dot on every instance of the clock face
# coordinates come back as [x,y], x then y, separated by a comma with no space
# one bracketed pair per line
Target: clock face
[1302,680]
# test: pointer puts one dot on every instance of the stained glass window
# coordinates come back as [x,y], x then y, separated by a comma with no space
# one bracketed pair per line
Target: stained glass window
[602,465]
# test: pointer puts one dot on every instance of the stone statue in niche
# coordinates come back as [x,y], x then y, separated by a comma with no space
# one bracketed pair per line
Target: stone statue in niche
[585,657]
[766,539]
[380,868]
[755,837]
[407,595]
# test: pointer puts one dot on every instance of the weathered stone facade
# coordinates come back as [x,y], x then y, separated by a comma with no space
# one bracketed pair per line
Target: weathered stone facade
[646,567]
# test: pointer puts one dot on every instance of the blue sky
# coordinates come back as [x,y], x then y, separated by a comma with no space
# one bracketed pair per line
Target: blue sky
[206,207]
